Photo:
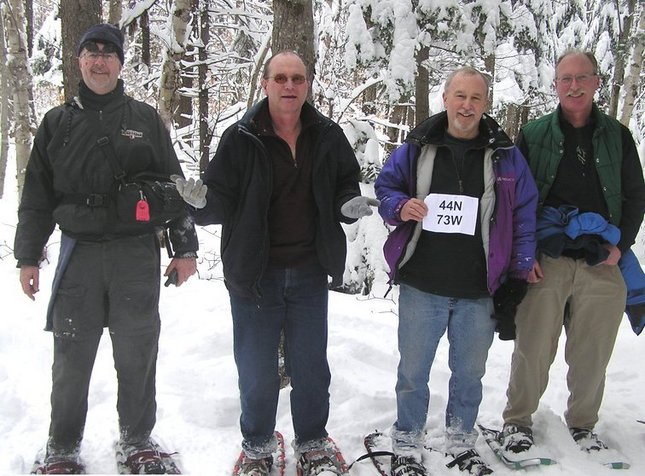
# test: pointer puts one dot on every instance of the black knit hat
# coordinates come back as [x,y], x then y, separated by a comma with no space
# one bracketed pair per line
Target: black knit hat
[103,33]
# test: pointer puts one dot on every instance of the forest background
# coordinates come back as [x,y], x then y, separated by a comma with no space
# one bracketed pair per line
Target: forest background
[377,68]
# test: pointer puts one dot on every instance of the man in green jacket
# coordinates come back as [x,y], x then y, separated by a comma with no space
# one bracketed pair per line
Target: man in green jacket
[591,205]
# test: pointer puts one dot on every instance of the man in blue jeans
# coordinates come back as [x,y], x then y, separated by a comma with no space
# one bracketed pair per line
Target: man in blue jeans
[281,181]
[463,203]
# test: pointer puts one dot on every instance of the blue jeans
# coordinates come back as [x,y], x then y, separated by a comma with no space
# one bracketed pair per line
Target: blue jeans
[423,319]
[294,299]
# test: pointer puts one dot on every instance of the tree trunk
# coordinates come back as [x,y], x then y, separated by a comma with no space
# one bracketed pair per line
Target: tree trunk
[4,110]
[76,17]
[293,29]
[184,113]
[145,38]
[620,55]
[489,64]
[632,78]
[400,115]
[422,86]
[257,70]
[205,135]
[115,11]
[170,74]
[17,64]
[29,18]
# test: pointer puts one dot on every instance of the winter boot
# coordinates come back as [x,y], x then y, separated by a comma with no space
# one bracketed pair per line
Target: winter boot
[587,440]
[255,467]
[50,460]
[140,459]
[407,466]
[471,462]
[59,466]
[516,439]
[323,457]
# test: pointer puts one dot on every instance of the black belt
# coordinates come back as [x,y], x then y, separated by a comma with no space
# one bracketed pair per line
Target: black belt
[91,200]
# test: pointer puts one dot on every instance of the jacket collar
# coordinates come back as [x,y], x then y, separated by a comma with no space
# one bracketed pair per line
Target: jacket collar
[96,102]
[251,119]
[432,130]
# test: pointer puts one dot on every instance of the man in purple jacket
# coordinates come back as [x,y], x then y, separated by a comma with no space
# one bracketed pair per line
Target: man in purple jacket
[463,202]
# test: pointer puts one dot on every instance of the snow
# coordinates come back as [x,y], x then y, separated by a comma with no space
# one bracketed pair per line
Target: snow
[198,406]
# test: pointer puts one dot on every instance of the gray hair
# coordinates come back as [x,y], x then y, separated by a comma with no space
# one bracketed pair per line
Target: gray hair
[575,51]
[468,71]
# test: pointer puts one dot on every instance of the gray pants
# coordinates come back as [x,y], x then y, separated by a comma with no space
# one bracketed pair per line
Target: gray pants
[112,284]
[596,297]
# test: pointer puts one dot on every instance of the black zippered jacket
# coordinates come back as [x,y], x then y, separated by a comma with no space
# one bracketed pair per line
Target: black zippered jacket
[66,162]
[239,180]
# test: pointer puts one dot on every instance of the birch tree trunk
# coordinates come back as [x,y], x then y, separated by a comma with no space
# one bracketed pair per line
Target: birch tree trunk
[632,78]
[4,110]
[170,74]
[18,66]
[183,115]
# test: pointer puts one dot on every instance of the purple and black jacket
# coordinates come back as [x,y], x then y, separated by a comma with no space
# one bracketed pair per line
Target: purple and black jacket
[508,218]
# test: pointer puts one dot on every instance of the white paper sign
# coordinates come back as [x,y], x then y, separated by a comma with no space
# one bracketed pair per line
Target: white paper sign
[451,213]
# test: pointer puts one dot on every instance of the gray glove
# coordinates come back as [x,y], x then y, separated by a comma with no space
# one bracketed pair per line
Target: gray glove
[193,192]
[359,207]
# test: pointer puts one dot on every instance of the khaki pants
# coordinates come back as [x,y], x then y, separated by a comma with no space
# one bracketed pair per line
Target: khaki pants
[596,297]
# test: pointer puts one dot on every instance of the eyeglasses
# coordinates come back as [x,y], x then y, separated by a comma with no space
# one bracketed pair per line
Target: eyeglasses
[580,79]
[92,52]
[94,57]
[283,78]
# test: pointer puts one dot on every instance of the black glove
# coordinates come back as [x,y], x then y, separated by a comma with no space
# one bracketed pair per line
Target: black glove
[506,299]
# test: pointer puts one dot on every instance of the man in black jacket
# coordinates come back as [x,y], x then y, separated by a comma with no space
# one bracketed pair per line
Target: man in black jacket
[281,181]
[108,270]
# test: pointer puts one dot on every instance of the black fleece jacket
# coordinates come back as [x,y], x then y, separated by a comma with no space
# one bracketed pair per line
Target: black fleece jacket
[239,180]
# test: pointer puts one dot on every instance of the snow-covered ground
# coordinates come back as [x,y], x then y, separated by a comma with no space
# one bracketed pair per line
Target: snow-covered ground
[198,406]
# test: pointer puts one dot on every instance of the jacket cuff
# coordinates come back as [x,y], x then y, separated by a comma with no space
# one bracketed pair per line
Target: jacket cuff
[27,262]
[186,254]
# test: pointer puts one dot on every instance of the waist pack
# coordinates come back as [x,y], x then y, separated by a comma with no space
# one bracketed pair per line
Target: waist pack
[147,199]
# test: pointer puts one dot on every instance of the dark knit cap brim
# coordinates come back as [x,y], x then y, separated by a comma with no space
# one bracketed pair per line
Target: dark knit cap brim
[103,33]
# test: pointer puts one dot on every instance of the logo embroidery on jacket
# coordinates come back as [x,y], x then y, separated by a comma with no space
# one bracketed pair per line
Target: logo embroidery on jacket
[132,134]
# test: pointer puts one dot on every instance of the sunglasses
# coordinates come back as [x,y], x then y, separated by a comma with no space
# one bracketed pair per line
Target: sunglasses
[283,78]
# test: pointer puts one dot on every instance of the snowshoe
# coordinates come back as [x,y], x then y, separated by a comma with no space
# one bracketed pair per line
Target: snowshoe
[58,465]
[147,459]
[515,439]
[325,459]
[587,440]
[470,461]
[407,466]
